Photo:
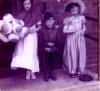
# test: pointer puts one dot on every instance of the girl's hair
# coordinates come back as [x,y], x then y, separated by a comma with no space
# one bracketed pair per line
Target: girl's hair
[22,1]
[47,15]
[70,6]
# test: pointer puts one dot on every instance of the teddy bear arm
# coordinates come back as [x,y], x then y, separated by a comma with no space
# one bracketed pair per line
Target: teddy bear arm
[4,38]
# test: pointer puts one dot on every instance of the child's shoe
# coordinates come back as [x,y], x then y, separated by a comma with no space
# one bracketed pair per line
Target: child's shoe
[73,75]
[46,76]
[53,76]
[79,74]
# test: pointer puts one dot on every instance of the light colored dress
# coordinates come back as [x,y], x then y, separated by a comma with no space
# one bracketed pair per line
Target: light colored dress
[25,54]
[75,50]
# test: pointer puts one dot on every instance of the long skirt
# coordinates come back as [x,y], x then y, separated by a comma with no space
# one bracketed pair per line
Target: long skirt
[74,53]
[25,54]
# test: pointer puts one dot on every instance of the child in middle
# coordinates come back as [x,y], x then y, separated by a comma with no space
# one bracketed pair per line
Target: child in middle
[49,46]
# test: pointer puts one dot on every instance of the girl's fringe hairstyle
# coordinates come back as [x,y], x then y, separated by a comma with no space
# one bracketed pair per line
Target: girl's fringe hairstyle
[71,5]
[22,1]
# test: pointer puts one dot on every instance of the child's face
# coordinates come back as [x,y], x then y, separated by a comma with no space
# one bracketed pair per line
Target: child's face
[74,10]
[50,22]
[27,5]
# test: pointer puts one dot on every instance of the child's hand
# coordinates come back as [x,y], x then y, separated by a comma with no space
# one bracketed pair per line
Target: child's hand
[34,28]
[39,23]
[47,49]
[50,44]
[24,32]
[38,28]
[57,26]
[82,33]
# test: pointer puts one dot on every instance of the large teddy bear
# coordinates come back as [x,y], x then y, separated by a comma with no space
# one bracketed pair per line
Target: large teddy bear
[12,28]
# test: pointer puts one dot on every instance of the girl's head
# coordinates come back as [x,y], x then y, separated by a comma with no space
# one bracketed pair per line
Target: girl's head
[27,4]
[49,20]
[73,8]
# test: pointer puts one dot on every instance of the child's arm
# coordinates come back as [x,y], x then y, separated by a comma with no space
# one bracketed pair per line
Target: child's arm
[83,25]
[35,27]
[3,38]
[68,27]
[83,22]
[24,32]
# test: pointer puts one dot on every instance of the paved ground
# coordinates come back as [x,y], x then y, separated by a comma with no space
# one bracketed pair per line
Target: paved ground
[64,83]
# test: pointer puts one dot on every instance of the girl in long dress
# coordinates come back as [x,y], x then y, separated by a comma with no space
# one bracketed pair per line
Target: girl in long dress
[75,50]
[25,54]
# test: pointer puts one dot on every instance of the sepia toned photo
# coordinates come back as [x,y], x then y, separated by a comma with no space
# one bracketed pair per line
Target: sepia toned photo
[49,45]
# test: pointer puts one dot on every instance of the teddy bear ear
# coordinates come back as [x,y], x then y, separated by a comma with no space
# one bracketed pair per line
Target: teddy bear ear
[8,17]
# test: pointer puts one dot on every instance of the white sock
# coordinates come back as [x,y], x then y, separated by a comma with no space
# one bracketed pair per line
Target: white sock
[28,74]
[33,75]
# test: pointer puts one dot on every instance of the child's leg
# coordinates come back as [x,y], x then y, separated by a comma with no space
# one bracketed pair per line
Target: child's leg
[28,74]
[68,61]
[73,58]
[33,76]
[82,57]
[46,65]
[52,64]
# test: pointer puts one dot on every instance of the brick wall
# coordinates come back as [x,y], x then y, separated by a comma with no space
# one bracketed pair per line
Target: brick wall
[92,30]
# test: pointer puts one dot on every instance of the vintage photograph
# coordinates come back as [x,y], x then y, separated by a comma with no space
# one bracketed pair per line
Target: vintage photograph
[49,45]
